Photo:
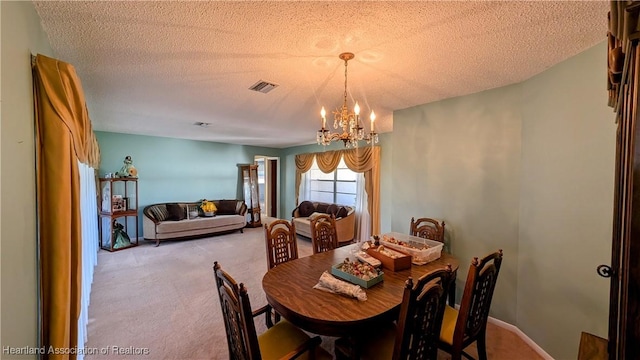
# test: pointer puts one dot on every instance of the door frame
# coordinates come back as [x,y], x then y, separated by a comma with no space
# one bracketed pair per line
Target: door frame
[269,173]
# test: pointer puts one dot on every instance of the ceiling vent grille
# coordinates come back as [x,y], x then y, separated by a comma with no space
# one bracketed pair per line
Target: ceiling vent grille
[201,124]
[263,86]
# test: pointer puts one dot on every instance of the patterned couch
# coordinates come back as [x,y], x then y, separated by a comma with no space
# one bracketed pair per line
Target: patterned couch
[173,221]
[345,219]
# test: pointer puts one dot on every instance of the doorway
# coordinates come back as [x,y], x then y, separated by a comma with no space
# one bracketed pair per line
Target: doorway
[268,183]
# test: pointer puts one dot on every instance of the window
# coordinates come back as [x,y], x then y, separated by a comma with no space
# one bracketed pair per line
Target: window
[337,187]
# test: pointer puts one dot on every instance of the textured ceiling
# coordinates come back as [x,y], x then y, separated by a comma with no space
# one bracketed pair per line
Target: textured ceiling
[156,68]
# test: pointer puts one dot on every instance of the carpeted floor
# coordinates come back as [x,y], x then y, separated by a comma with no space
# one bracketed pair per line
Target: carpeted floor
[161,303]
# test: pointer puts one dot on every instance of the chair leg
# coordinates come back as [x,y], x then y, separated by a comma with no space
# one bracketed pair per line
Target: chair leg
[456,354]
[481,345]
[346,349]
[452,290]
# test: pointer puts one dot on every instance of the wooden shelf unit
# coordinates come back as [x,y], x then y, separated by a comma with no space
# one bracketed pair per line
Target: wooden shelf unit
[118,204]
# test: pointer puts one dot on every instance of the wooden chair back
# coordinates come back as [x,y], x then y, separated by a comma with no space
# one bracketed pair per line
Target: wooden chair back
[427,228]
[242,339]
[324,236]
[471,324]
[282,244]
[421,314]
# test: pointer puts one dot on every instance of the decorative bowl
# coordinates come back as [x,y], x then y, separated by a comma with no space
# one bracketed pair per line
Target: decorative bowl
[209,213]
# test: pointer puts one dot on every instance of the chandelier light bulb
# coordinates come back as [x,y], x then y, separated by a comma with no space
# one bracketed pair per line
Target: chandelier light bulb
[323,113]
[373,119]
[356,109]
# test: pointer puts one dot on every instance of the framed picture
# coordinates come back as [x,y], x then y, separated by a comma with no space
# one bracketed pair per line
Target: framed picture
[117,203]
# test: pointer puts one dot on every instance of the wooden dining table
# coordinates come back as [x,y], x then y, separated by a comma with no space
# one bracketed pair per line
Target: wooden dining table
[289,290]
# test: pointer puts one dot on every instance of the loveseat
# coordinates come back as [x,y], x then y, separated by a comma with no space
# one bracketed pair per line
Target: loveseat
[345,219]
[172,221]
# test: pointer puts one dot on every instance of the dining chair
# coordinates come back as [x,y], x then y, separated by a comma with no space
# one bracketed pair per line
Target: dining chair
[427,228]
[280,341]
[461,328]
[282,244]
[323,233]
[432,229]
[416,332]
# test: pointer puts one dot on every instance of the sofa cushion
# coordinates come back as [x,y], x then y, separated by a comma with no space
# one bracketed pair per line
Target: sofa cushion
[201,223]
[303,226]
[226,207]
[315,215]
[306,208]
[342,212]
[332,209]
[159,212]
[176,212]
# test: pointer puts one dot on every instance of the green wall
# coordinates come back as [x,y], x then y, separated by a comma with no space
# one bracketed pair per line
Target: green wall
[187,170]
[566,203]
[459,160]
[176,169]
[21,36]
[527,168]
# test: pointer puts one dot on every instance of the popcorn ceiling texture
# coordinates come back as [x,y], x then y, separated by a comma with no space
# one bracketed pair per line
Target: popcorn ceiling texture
[156,68]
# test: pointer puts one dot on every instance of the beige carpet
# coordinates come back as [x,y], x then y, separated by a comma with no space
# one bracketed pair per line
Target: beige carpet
[161,303]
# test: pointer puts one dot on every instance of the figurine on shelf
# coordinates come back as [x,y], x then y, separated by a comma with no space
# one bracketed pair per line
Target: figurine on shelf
[127,170]
[120,236]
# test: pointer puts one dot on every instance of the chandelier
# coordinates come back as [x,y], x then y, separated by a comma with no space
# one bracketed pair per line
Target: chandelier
[348,121]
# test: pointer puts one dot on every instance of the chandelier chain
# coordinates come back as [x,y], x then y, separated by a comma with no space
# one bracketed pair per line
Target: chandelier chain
[346,63]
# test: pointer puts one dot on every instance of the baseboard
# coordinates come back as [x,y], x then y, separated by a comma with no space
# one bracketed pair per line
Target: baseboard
[514,329]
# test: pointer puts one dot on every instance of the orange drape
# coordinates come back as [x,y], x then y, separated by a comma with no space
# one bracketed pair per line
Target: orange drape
[364,160]
[64,137]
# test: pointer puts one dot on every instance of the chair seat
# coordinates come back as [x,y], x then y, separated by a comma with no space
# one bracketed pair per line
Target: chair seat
[448,325]
[278,340]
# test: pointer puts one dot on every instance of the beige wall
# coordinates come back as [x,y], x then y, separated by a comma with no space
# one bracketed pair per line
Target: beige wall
[21,36]
[527,168]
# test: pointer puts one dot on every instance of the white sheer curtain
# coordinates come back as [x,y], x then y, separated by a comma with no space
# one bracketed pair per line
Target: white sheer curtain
[88,206]
[363,228]
[305,186]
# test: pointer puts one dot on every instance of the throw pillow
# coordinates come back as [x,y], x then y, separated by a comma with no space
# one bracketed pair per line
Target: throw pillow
[306,208]
[159,212]
[176,212]
[342,212]
[332,209]
[322,207]
[226,207]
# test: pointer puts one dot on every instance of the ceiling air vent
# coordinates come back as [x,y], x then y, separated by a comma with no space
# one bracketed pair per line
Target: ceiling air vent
[263,86]
[201,124]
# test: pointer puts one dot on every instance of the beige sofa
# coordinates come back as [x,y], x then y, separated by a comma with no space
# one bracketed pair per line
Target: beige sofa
[345,219]
[172,221]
